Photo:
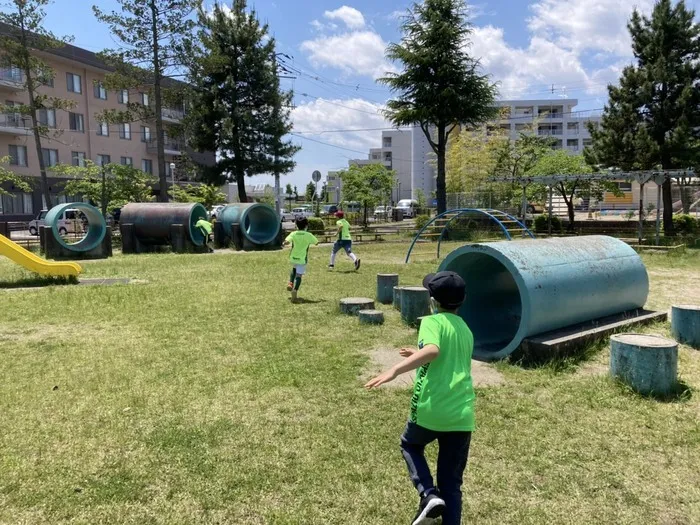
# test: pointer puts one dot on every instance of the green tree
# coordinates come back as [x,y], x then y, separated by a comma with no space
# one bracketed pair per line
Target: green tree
[238,108]
[20,52]
[149,34]
[208,195]
[440,86]
[8,176]
[110,186]
[369,185]
[310,192]
[324,192]
[652,118]
[472,157]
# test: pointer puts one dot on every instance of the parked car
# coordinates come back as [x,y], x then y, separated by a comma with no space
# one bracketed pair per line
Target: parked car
[215,211]
[329,209]
[303,211]
[382,212]
[70,222]
[408,206]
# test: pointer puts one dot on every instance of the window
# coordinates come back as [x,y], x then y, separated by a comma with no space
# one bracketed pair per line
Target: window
[386,142]
[75,83]
[100,91]
[18,155]
[78,158]
[50,157]
[103,129]
[47,117]
[147,165]
[144,99]
[28,203]
[103,160]
[125,131]
[126,161]
[145,134]
[76,122]
[124,96]
[625,186]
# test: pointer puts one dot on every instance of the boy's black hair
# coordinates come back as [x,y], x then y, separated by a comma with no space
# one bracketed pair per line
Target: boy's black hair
[302,223]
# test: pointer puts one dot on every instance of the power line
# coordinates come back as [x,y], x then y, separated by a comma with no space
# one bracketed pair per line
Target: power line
[375,113]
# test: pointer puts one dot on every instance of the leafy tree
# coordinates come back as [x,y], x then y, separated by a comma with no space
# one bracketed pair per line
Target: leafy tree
[324,192]
[8,176]
[149,33]
[25,37]
[440,86]
[296,194]
[111,186]
[652,118]
[310,192]
[369,185]
[238,108]
[208,195]
[422,200]
[472,158]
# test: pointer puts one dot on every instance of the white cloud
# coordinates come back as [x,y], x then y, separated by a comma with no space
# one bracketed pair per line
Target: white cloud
[350,16]
[579,25]
[331,114]
[355,52]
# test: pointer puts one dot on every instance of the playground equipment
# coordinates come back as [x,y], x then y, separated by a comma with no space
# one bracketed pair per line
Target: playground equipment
[352,305]
[385,287]
[371,316]
[145,227]
[36,264]
[520,289]
[415,303]
[507,224]
[249,226]
[647,363]
[95,244]
[685,324]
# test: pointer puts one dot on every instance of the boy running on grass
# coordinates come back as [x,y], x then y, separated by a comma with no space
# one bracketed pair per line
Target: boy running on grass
[442,406]
[344,241]
[301,241]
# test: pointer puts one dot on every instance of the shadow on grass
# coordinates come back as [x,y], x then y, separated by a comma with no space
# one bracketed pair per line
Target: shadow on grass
[301,300]
[38,282]
[681,392]
[563,362]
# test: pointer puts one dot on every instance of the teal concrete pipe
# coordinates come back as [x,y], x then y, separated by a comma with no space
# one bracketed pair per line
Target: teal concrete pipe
[520,289]
[152,220]
[259,223]
[96,227]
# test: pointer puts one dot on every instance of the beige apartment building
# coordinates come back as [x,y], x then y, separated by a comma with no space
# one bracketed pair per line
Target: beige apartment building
[78,133]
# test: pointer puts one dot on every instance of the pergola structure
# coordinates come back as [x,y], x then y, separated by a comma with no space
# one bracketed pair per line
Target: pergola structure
[641,177]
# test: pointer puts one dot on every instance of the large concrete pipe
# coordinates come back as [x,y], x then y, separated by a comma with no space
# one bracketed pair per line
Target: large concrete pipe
[152,221]
[520,289]
[259,223]
[96,226]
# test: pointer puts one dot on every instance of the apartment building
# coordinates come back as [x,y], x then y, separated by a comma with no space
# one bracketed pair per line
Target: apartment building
[76,134]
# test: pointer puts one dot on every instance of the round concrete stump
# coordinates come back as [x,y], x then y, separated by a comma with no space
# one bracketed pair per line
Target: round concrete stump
[352,305]
[415,303]
[385,287]
[397,297]
[371,316]
[685,324]
[647,363]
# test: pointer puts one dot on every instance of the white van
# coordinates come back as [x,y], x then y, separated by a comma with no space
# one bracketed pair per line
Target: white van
[409,207]
[70,222]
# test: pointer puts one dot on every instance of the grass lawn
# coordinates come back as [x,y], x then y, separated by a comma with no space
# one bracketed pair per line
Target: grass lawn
[203,396]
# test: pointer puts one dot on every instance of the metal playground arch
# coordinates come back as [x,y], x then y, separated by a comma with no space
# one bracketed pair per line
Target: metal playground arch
[507,223]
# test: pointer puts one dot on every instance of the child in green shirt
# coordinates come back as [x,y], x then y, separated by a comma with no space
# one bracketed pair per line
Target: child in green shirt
[205,228]
[301,241]
[343,242]
[442,406]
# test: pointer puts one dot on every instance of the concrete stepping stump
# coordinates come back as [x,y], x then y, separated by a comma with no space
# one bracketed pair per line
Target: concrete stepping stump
[685,324]
[352,305]
[397,297]
[385,287]
[647,363]
[371,316]
[415,303]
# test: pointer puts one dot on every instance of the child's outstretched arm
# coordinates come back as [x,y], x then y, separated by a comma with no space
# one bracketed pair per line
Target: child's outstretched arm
[423,356]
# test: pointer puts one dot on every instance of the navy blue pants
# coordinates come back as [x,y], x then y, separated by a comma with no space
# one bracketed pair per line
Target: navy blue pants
[453,451]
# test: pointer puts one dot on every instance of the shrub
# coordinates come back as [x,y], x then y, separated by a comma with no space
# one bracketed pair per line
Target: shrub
[421,221]
[685,224]
[316,226]
[542,224]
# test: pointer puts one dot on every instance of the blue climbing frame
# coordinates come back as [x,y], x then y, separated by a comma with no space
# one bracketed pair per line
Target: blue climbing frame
[499,217]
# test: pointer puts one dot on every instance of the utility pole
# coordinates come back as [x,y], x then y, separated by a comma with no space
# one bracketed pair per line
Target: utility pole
[282,67]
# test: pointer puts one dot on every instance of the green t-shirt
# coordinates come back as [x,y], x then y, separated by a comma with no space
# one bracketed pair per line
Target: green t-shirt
[345,232]
[300,240]
[204,225]
[443,395]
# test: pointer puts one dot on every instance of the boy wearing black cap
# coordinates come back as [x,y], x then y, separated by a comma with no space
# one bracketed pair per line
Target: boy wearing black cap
[442,406]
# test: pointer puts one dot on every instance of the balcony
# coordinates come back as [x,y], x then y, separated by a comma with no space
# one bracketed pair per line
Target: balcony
[172,147]
[173,115]
[12,78]
[15,124]
[550,132]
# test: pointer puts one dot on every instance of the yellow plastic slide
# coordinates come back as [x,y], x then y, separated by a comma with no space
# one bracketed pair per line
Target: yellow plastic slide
[33,263]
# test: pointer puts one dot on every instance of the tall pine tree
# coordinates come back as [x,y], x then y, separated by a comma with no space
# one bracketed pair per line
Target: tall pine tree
[440,86]
[150,34]
[238,108]
[652,118]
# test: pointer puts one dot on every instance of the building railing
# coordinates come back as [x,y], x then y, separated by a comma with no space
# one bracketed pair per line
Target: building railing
[9,74]
[168,144]
[15,120]
[550,132]
[174,113]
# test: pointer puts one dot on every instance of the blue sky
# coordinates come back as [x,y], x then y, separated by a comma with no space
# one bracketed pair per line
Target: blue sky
[533,48]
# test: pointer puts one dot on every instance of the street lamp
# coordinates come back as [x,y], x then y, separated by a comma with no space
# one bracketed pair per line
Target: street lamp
[172,174]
